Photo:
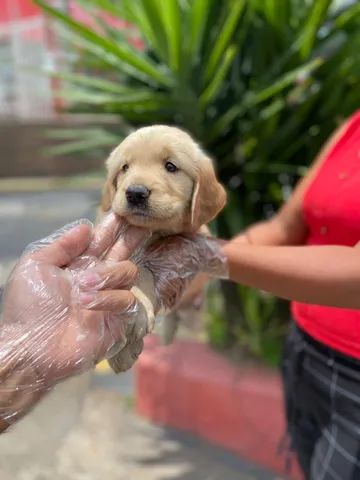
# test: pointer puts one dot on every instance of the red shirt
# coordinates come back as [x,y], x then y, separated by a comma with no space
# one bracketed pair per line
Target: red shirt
[332,212]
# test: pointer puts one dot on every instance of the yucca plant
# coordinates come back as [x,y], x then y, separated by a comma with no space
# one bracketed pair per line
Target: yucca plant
[260,83]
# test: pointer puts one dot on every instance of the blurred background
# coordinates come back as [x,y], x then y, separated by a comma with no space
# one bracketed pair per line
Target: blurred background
[260,84]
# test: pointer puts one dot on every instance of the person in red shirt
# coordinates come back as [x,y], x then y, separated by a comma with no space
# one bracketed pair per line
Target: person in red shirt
[309,253]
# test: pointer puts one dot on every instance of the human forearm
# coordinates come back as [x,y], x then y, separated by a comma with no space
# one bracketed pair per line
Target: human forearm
[275,231]
[325,275]
[20,385]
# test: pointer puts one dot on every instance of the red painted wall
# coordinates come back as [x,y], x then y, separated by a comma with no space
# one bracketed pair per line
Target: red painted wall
[13,9]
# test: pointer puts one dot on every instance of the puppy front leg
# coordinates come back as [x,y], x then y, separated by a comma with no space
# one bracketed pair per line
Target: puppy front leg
[139,326]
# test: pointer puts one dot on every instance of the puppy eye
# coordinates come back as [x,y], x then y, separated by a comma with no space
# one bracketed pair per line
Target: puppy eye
[170,167]
[125,167]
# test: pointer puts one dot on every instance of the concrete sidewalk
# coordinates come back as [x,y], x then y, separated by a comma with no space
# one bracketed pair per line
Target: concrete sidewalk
[111,442]
[26,217]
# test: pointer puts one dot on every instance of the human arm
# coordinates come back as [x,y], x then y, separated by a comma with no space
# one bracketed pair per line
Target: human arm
[323,275]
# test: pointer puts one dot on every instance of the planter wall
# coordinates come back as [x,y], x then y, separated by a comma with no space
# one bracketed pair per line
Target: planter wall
[22,149]
[190,387]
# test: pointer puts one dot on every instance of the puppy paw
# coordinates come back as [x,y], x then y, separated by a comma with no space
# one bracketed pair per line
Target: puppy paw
[126,358]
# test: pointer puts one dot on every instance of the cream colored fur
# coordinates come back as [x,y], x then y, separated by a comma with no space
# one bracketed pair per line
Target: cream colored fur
[179,202]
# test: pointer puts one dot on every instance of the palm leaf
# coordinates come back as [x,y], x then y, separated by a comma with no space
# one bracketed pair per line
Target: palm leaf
[124,53]
[309,32]
[197,16]
[140,100]
[285,81]
[149,20]
[81,141]
[89,81]
[115,9]
[348,16]
[77,133]
[224,38]
[171,16]
[216,84]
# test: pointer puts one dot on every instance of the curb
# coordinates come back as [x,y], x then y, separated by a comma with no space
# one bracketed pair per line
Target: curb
[190,387]
[103,368]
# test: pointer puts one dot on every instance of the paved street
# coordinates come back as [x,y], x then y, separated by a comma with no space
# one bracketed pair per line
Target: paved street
[28,217]
[111,442]
[87,429]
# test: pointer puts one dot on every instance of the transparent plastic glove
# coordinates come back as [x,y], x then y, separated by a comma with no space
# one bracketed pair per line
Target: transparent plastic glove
[175,261]
[65,306]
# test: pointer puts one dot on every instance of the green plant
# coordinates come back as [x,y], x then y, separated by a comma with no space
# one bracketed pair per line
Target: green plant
[260,83]
[260,332]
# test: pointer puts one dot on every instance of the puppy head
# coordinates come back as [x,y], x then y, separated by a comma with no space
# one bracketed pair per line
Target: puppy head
[159,178]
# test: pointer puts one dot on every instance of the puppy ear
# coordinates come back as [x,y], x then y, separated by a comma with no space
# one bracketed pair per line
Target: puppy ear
[208,197]
[107,196]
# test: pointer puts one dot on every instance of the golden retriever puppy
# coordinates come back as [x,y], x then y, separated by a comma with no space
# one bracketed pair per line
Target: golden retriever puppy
[160,179]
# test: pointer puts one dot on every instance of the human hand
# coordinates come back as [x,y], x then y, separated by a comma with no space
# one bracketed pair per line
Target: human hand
[175,261]
[66,305]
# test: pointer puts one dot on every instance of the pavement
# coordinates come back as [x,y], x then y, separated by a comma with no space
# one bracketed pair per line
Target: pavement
[86,429]
[26,217]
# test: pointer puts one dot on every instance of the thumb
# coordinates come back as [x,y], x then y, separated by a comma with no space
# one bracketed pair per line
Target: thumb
[62,248]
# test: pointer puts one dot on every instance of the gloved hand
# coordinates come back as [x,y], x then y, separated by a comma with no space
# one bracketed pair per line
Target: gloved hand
[175,261]
[65,306]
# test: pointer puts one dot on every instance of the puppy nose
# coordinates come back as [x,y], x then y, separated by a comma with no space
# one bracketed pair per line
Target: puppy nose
[137,195]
